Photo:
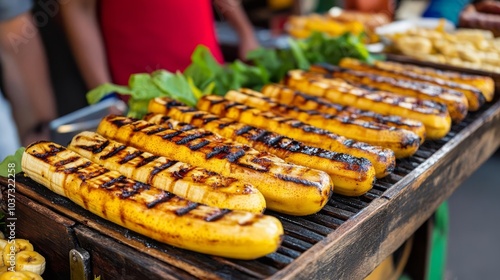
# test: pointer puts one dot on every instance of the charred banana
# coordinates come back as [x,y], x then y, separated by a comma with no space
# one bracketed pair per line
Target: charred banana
[287,188]
[285,95]
[455,101]
[483,83]
[150,211]
[383,160]
[404,143]
[474,96]
[350,175]
[433,115]
[189,182]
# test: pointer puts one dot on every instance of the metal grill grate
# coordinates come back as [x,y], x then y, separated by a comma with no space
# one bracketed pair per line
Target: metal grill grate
[301,233]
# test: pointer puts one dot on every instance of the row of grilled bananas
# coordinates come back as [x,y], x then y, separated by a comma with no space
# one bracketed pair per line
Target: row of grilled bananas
[19,260]
[350,175]
[148,210]
[433,115]
[193,183]
[403,142]
[286,187]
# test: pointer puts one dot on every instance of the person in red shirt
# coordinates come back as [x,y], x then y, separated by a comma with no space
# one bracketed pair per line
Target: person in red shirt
[112,39]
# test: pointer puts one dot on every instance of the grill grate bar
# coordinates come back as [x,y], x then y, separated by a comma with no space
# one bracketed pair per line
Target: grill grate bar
[325,220]
[276,260]
[354,202]
[300,232]
[341,206]
[288,252]
[254,268]
[307,223]
[296,244]
[337,212]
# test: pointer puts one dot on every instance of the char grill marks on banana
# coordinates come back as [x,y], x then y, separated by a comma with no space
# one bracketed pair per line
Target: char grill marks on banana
[150,211]
[382,159]
[190,182]
[433,115]
[286,95]
[287,188]
[350,175]
[474,96]
[455,101]
[483,83]
[403,142]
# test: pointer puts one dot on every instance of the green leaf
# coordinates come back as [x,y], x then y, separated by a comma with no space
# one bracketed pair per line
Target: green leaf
[12,163]
[196,91]
[175,86]
[99,92]
[209,88]
[161,78]
[138,108]
[299,55]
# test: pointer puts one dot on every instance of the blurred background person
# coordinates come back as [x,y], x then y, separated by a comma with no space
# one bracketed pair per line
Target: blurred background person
[25,79]
[112,39]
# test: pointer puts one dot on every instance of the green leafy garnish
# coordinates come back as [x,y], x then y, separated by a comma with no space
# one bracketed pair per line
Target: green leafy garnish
[206,76]
[12,163]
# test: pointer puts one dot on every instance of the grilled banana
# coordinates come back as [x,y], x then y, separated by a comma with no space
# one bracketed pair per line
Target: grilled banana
[333,112]
[351,176]
[303,101]
[287,188]
[19,275]
[474,96]
[455,101]
[383,160]
[433,115]
[404,143]
[30,261]
[483,83]
[189,182]
[150,211]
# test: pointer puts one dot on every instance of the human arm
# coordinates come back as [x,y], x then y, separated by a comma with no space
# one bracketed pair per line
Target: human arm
[82,28]
[26,77]
[235,15]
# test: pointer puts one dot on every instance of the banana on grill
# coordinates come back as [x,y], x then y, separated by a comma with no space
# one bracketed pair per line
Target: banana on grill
[189,182]
[404,143]
[433,115]
[276,96]
[455,101]
[484,83]
[285,95]
[350,175]
[474,96]
[383,160]
[152,212]
[287,188]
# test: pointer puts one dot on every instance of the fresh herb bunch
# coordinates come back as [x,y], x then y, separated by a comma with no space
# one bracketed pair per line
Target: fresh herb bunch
[206,76]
